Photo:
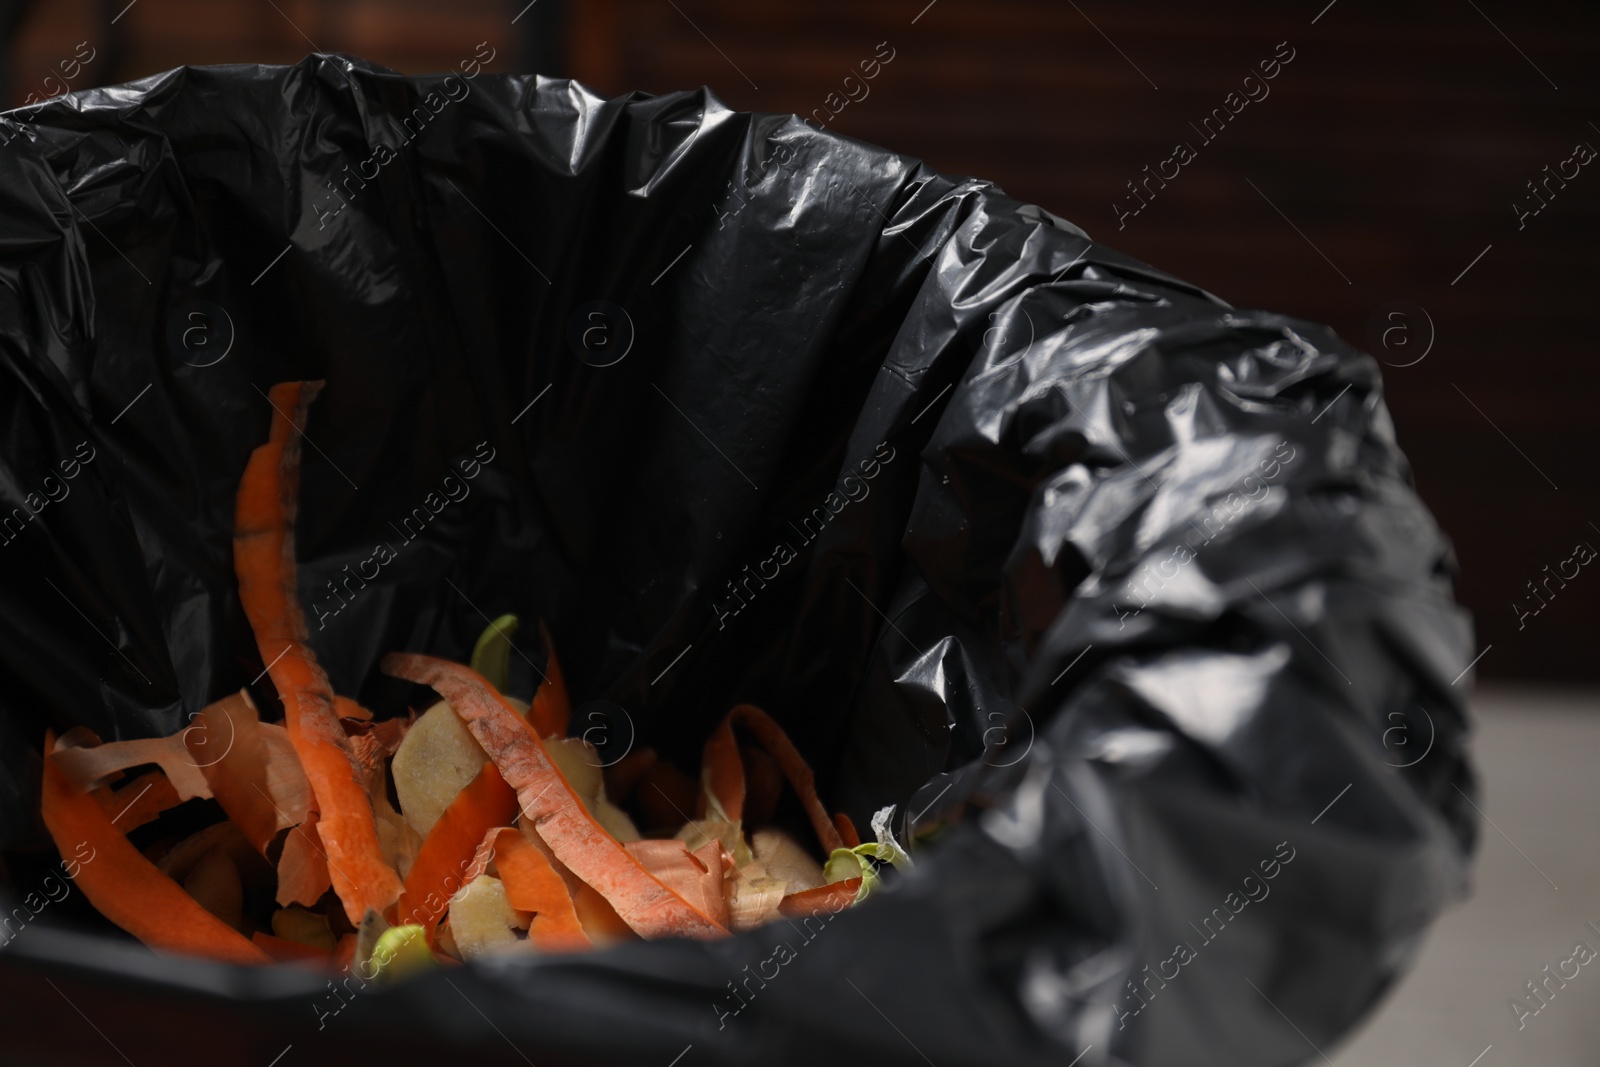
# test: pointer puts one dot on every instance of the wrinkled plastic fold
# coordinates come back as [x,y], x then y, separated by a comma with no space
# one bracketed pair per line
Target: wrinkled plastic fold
[1122,595]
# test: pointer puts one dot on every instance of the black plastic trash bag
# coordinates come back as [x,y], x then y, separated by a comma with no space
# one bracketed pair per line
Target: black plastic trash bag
[1122,596]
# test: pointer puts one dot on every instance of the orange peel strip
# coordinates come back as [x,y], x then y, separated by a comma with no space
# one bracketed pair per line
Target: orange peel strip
[127,888]
[547,800]
[263,559]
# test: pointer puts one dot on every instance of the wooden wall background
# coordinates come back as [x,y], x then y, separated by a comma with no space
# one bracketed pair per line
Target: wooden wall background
[1382,167]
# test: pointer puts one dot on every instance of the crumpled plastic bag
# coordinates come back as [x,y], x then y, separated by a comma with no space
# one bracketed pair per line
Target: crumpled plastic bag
[1121,595]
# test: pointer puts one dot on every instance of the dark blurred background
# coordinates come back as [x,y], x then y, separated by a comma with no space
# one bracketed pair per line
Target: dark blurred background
[1416,174]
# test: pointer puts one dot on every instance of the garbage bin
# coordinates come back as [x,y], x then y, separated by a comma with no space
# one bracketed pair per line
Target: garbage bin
[1121,595]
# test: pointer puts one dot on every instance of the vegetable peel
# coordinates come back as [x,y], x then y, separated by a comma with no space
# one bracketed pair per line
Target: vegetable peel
[263,556]
[127,888]
[647,905]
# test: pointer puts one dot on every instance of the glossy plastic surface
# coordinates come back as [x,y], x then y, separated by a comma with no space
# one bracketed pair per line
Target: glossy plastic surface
[1123,595]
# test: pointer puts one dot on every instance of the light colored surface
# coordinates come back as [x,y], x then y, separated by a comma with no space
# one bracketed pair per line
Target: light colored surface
[1538,752]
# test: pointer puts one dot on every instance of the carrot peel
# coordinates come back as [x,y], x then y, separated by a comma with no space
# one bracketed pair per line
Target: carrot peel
[532,884]
[227,743]
[303,874]
[127,888]
[833,897]
[443,862]
[551,710]
[548,801]
[723,773]
[263,555]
